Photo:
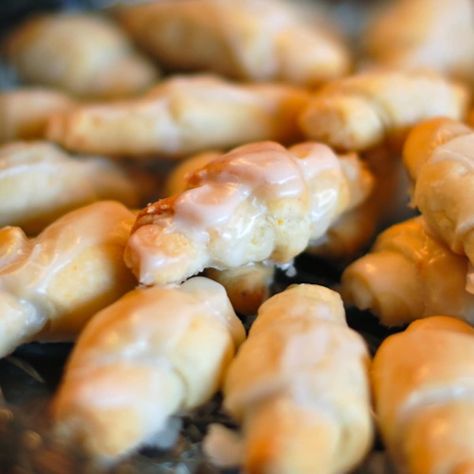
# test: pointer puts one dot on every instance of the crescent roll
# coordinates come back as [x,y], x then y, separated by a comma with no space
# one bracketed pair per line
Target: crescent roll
[423,382]
[24,112]
[258,202]
[372,108]
[39,183]
[299,387]
[181,116]
[407,275]
[80,53]
[430,34]
[439,156]
[152,354]
[52,284]
[251,40]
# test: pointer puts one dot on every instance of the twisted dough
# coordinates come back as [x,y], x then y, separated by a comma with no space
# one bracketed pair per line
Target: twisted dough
[51,285]
[423,383]
[39,183]
[431,34]
[153,353]
[409,275]
[83,54]
[299,387]
[250,39]
[257,202]
[362,111]
[183,115]
[249,286]
[440,158]
[24,112]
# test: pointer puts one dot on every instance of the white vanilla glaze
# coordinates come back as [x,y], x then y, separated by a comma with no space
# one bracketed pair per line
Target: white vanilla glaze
[207,206]
[31,265]
[266,168]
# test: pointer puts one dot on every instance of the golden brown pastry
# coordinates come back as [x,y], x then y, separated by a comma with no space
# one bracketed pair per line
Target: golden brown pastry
[39,183]
[81,53]
[183,115]
[254,40]
[258,202]
[371,108]
[470,118]
[24,112]
[439,156]
[152,354]
[348,235]
[299,387]
[430,34]
[407,275]
[52,284]
[247,287]
[177,180]
[423,381]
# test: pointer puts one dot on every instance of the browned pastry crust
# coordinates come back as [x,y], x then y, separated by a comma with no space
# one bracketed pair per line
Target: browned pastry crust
[299,387]
[372,108]
[254,40]
[407,275]
[429,34]
[80,53]
[24,112]
[51,285]
[183,115]
[151,354]
[423,381]
[439,155]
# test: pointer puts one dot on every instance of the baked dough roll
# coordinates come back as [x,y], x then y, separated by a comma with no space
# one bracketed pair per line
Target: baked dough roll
[344,239]
[299,387]
[80,53]
[39,183]
[439,155]
[408,274]
[430,34]
[51,285]
[24,112]
[371,108]
[150,355]
[251,40]
[423,382]
[183,115]
[258,202]
[247,287]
